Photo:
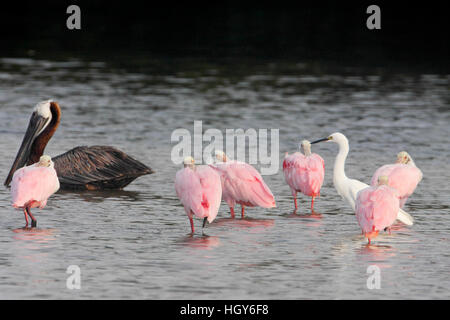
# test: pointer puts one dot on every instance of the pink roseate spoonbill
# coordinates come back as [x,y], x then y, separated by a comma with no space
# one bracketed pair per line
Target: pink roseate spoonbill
[33,185]
[348,188]
[376,208]
[403,176]
[199,190]
[242,184]
[304,173]
[82,168]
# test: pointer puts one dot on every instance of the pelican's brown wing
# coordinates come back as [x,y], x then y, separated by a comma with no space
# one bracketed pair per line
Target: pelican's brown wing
[97,167]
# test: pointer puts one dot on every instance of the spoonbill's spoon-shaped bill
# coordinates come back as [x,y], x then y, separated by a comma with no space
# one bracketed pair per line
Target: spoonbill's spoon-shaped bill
[346,187]
[32,185]
[242,184]
[304,172]
[199,190]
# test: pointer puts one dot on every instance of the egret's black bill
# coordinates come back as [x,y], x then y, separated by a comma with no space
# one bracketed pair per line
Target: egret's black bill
[320,140]
[35,126]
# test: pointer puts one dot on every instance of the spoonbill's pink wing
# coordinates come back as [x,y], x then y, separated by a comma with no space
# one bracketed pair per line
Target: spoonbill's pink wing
[244,184]
[189,191]
[312,177]
[304,173]
[403,177]
[211,190]
[33,183]
[199,191]
[294,167]
[376,208]
[227,191]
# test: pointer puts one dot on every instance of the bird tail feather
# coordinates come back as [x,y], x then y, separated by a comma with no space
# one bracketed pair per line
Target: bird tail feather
[405,217]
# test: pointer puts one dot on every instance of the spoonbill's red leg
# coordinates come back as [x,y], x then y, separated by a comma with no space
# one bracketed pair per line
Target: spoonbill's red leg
[26,216]
[192,224]
[33,220]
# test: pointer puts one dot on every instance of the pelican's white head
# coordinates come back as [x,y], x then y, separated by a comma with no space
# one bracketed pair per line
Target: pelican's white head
[189,162]
[43,109]
[305,146]
[45,161]
[404,158]
[383,180]
[221,156]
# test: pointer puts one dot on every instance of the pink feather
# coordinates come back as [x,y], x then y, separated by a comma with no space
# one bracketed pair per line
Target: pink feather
[243,184]
[376,208]
[403,177]
[199,191]
[33,183]
[304,173]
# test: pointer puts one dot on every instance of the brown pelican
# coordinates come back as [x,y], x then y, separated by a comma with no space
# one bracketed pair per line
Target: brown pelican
[82,168]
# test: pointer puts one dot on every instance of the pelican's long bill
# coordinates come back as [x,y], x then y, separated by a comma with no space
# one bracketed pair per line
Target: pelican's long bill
[36,125]
[320,140]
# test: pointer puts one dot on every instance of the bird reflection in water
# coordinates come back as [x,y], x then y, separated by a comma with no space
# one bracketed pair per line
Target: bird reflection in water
[312,215]
[246,222]
[200,242]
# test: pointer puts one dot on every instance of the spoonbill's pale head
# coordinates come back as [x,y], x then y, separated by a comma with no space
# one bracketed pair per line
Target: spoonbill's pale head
[305,146]
[189,162]
[45,161]
[221,156]
[383,180]
[403,157]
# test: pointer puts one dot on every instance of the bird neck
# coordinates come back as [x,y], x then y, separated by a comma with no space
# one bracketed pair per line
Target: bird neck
[307,151]
[339,164]
[39,144]
[411,162]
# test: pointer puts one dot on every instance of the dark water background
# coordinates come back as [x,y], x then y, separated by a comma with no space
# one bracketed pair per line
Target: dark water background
[135,244]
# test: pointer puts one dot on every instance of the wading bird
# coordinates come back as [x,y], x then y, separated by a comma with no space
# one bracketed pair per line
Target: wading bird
[346,187]
[242,184]
[33,185]
[403,176]
[82,168]
[199,190]
[376,208]
[304,173]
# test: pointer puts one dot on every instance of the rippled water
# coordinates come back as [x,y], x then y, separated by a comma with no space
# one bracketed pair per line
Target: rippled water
[135,243]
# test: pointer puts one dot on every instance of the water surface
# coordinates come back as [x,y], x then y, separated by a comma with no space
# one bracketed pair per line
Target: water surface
[135,243]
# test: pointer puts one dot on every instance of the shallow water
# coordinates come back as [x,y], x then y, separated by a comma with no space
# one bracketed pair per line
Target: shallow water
[135,243]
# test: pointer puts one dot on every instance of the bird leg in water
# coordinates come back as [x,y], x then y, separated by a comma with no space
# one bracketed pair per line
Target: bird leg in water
[242,211]
[295,201]
[232,212]
[312,204]
[204,221]
[192,224]
[33,220]
[26,216]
